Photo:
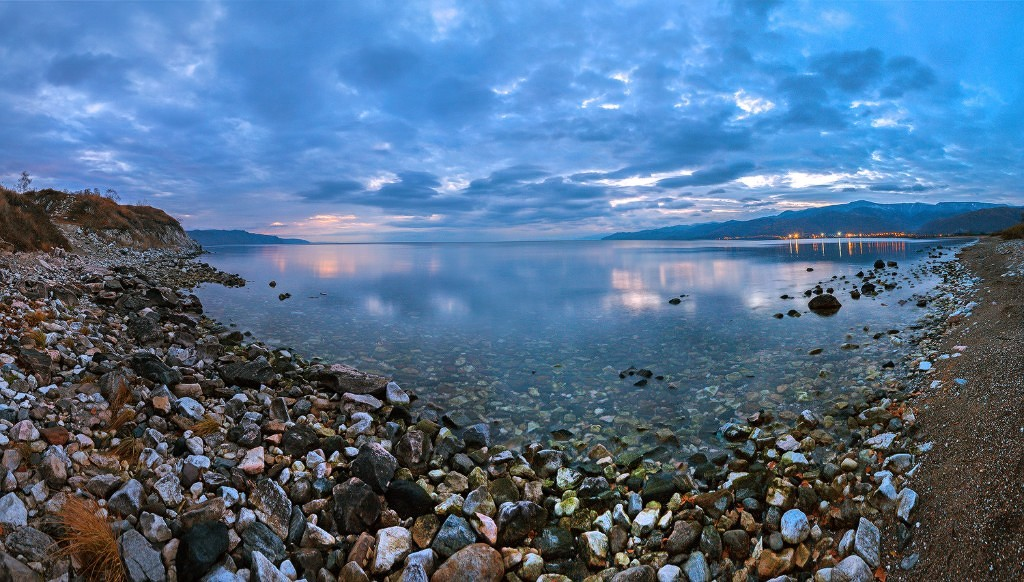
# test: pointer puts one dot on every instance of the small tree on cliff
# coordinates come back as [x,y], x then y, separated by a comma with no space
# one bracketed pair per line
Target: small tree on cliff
[24,182]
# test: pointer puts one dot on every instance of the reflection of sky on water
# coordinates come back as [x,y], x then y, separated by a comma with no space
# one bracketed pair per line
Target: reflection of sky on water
[581,305]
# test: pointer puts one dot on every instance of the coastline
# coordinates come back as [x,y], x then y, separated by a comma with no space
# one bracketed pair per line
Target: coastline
[370,492]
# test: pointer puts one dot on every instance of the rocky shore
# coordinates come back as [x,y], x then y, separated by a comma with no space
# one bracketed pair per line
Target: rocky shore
[207,456]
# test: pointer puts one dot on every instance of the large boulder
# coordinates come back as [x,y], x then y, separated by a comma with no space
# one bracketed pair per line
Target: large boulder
[341,378]
[825,304]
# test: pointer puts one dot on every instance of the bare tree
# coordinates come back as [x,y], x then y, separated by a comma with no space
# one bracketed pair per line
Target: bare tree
[24,182]
[113,195]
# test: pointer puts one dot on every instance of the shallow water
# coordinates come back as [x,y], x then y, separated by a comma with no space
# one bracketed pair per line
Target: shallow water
[533,336]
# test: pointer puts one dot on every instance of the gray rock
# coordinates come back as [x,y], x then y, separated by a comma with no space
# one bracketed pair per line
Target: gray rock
[200,548]
[190,408]
[54,466]
[455,534]
[906,501]
[272,506]
[29,542]
[477,436]
[696,568]
[154,527]
[670,573]
[260,538]
[866,543]
[424,558]
[852,569]
[264,570]
[168,488]
[395,394]
[794,526]
[594,548]
[643,573]
[393,545]
[12,569]
[248,374]
[127,500]
[375,466]
[13,512]
[414,573]
[140,559]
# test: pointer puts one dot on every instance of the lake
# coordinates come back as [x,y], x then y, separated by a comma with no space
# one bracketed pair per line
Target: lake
[538,337]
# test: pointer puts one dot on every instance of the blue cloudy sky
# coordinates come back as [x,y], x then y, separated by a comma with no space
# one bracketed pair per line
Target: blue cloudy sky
[460,120]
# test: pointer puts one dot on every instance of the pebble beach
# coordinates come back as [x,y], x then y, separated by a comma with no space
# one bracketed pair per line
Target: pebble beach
[204,454]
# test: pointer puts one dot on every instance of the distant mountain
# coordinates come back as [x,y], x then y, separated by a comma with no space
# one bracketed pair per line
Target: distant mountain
[984,221]
[855,217]
[240,237]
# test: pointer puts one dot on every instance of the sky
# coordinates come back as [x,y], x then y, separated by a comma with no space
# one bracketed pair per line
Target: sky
[497,120]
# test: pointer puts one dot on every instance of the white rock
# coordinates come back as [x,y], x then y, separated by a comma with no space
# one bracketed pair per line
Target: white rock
[393,545]
[795,527]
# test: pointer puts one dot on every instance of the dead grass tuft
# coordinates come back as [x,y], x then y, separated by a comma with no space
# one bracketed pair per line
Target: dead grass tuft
[90,540]
[128,450]
[1014,232]
[121,418]
[205,427]
[36,317]
[122,395]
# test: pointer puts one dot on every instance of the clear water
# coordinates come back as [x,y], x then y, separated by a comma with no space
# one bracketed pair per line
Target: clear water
[532,336]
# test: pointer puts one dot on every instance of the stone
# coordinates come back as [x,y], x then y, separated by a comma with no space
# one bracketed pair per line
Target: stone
[393,545]
[532,567]
[696,568]
[23,431]
[264,571]
[517,519]
[642,573]
[260,538]
[356,506]
[479,500]
[644,522]
[477,436]
[249,374]
[375,466]
[272,506]
[252,462]
[413,451]
[881,442]
[659,487]
[684,535]
[670,573]
[852,569]
[473,563]
[152,368]
[738,543]
[455,534]
[772,564]
[408,499]
[395,395]
[53,467]
[906,501]
[142,562]
[594,548]
[168,488]
[352,572]
[794,527]
[823,304]
[201,547]
[13,512]
[29,542]
[154,528]
[127,500]
[299,439]
[554,543]
[866,542]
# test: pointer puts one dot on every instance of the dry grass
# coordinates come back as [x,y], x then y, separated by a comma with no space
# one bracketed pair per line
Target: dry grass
[1014,232]
[36,317]
[128,449]
[122,417]
[205,427]
[122,395]
[39,338]
[25,226]
[89,539]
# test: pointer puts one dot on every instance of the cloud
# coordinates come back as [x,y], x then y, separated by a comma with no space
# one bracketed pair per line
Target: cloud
[710,177]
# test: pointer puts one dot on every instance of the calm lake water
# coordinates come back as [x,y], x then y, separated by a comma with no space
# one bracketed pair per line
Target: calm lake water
[533,336]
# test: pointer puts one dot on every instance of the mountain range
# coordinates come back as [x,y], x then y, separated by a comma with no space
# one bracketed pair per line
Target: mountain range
[214,237]
[863,217]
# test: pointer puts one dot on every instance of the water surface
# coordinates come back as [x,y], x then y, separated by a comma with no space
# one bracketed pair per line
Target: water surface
[533,336]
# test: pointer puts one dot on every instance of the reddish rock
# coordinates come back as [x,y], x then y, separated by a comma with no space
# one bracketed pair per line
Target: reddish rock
[55,435]
[473,563]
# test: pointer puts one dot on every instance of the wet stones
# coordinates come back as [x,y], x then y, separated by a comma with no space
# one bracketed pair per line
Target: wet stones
[826,304]
[413,451]
[250,374]
[375,466]
[455,534]
[272,506]
[200,548]
[299,439]
[356,506]
[516,521]
[474,562]
[408,499]
[152,368]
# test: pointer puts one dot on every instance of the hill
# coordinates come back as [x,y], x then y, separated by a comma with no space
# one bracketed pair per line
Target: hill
[47,219]
[984,221]
[855,217]
[214,237]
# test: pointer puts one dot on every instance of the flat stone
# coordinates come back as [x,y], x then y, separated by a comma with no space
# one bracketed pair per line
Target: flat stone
[260,538]
[393,545]
[13,512]
[882,442]
[272,506]
[142,562]
[476,562]
[696,568]
[866,543]
[29,542]
[852,569]
[906,501]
